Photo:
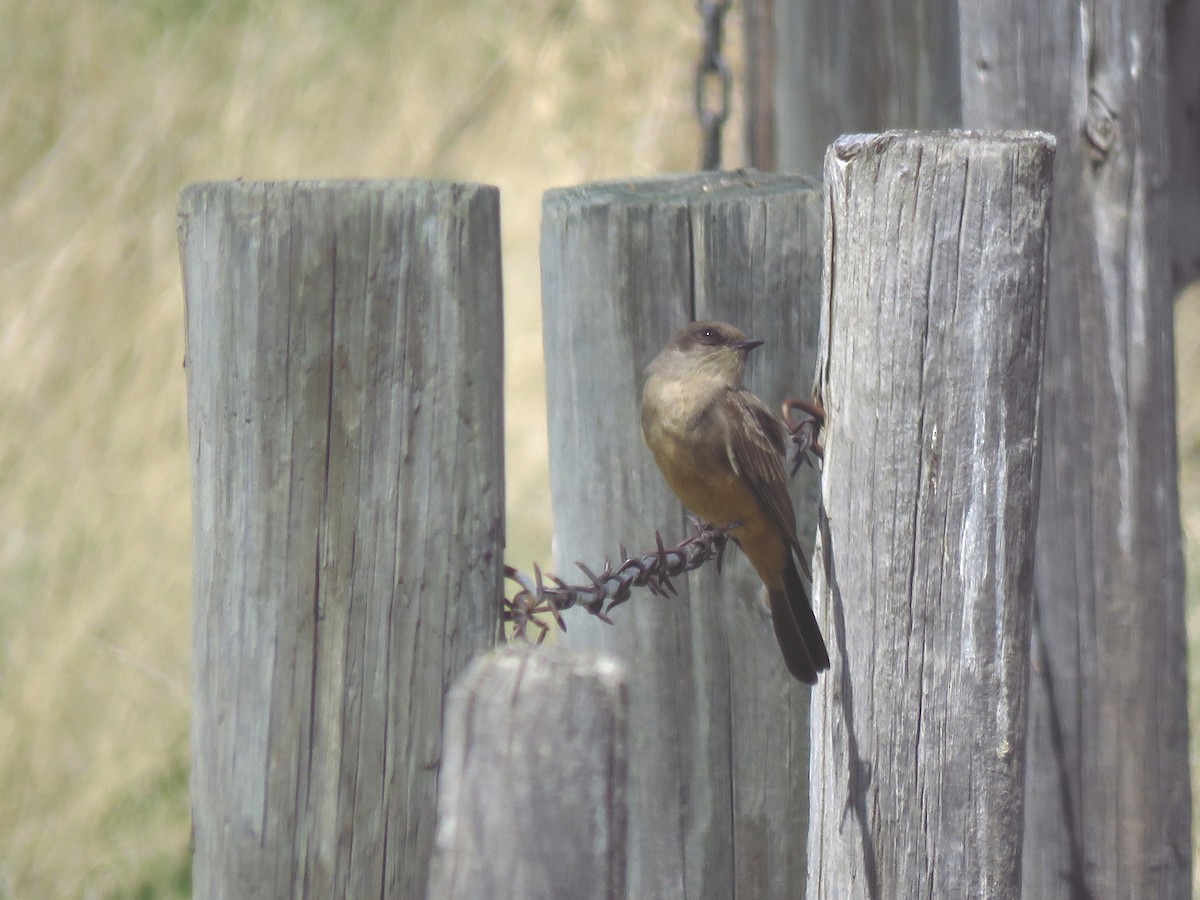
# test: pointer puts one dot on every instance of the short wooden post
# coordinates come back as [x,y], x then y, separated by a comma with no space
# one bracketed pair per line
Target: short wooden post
[718,729]
[936,249]
[532,803]
[344,407]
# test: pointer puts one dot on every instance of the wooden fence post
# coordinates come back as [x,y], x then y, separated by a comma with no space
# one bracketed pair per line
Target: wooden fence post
[532,803]
[1109,812]
[718,729]
[859,66]
[344,407]
[936,249]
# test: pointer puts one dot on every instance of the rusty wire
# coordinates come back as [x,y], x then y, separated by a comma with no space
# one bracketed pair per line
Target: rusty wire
[545,596]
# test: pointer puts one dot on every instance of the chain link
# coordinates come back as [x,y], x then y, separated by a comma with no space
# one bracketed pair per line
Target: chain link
[712,68]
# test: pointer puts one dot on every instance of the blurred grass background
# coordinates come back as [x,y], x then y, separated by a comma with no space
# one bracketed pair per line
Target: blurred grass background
[107,107]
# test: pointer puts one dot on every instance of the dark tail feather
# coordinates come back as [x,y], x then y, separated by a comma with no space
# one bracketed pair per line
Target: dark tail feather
[796,628]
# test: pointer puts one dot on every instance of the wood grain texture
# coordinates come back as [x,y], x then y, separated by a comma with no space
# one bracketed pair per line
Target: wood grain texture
[758,29]
[1109,812]
[1182,27]
[533,797]
[344,408]
[718,729]
[870,65]
[861,66]
[935,277]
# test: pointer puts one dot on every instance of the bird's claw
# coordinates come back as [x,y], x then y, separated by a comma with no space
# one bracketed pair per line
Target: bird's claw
[804,430]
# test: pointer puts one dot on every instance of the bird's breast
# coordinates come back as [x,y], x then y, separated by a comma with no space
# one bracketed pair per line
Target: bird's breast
[690,449]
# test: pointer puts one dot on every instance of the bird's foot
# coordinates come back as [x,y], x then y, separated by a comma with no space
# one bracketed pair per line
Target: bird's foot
[804,429]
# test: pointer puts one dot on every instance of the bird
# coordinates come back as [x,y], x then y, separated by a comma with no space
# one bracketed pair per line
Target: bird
[722,451]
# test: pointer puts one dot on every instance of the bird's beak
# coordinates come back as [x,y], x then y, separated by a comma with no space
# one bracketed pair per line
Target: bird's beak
[747,346]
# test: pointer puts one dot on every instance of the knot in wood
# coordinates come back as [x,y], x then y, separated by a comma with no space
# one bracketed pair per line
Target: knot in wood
[1100,128]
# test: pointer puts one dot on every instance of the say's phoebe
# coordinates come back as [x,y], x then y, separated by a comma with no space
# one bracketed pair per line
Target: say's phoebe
[722,452]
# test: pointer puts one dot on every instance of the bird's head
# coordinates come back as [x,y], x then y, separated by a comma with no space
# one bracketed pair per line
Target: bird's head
[705,350]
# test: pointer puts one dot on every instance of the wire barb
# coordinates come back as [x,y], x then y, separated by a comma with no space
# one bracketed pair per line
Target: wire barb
[541,599]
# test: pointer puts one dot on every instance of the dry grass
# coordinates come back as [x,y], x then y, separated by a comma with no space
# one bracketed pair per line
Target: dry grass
[1187,364]
[106,109]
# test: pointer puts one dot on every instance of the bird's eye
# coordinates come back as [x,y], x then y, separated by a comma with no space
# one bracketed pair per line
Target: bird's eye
[709,335]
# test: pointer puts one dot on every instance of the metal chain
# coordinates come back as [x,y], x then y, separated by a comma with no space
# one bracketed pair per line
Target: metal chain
[712,66]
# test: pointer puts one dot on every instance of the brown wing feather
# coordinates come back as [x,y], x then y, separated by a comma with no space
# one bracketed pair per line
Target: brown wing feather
[756,452]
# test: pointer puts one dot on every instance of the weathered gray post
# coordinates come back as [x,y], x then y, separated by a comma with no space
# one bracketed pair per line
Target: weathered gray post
[1109,811]
[1181,31]
[860,66]
[532,803]
[718,729]
[344,407]
[936,251]
[1115,81]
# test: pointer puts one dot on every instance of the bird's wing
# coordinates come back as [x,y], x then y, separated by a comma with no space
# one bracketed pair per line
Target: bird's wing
[756,452]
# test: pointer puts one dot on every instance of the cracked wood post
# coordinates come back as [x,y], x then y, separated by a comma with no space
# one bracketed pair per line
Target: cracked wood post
[1118,83]
[532,803]
[1109,811]
[718,729]
[936,250]
[344,409]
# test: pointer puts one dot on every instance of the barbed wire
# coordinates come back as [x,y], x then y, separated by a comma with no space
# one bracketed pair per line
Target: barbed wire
[548,595]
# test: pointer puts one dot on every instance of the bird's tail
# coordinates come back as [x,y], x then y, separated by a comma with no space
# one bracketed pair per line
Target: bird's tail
[796,627]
